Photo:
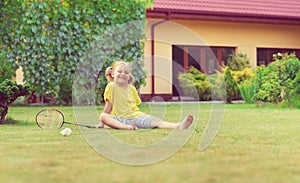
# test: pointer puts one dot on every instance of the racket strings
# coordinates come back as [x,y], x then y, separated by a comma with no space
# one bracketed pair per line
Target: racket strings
[49,119]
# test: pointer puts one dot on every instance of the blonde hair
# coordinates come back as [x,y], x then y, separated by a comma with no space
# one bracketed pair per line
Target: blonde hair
[111,69]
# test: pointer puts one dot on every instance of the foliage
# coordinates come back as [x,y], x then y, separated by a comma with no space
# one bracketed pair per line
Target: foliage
[22,100]
[295,96]
[53,38]
[232,90]
[9,92]
[273,83]
[218,88]
[209,87]
[296,85]
[7,71]
[267,84]
[241,75]
[238,62]
[65,92]
[247,90]
[195,84]
[241,71]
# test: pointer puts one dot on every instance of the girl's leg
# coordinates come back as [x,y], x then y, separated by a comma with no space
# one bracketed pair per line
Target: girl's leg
[111,122]
[157,123]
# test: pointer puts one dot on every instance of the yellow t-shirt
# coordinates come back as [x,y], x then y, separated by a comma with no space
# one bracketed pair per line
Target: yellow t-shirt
[125,101]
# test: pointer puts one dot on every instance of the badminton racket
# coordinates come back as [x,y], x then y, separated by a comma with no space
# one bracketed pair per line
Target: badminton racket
[54,119]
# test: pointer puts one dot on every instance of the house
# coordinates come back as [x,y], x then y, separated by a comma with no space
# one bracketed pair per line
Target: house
[205,33]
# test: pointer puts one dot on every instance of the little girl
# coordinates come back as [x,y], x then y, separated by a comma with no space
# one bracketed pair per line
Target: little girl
[121,104]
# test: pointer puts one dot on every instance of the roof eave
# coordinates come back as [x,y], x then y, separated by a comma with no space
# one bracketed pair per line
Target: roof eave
[189,15]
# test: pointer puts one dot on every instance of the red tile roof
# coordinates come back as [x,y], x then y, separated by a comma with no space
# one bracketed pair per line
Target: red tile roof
[261,9]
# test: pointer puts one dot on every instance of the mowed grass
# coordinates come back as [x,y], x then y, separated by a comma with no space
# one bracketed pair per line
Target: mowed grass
[253,145]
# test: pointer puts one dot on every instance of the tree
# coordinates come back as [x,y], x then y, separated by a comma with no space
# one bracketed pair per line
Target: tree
[9,92]
[7,71]
[52,38]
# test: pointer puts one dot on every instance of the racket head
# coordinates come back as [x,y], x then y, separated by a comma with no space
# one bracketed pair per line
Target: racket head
[49,119]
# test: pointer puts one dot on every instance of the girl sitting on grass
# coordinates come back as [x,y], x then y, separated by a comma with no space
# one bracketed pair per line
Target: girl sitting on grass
[121,104]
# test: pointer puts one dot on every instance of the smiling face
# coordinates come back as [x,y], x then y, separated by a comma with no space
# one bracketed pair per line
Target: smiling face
[121,75]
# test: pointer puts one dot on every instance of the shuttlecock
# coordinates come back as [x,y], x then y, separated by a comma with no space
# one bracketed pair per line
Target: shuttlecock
[66,132]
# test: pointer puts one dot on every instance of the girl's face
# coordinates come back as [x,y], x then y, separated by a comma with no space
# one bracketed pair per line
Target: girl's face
[121,75]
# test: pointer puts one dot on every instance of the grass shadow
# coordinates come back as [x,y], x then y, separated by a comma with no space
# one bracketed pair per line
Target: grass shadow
[12,121]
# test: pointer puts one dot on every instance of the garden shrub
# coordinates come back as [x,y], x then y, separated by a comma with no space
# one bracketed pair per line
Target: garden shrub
[247,90]
[232,90]
[218,88]
[241,75]
[295,95]
[289,67]
[241,71]
[9,92]
[268,88]
[195,78]
[273,83]
[209,87]
[238,62]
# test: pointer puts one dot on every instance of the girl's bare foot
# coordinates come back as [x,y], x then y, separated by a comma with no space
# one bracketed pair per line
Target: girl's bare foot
[132,127]
[186,122]
[100,125]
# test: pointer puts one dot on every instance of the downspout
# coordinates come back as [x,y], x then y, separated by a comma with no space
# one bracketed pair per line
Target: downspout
[153,51]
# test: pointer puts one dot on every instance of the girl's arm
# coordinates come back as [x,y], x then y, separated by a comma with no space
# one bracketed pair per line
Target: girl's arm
[108,107]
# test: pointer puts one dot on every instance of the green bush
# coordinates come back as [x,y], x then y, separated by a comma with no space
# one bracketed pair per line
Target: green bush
[295,95]
[218,88]
[209,87]
[273,83]
[195,84]
[9,92]
[232,90]
[241,71]
[243,75]
[238,62]
[247,90]
[288,65]
[267,83]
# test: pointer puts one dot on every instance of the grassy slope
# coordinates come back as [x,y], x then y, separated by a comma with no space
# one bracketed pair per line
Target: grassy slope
[253,145]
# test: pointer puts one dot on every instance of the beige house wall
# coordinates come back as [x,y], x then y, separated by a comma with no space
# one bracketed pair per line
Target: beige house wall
[246,37]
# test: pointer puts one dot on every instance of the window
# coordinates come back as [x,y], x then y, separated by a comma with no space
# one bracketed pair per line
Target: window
[206,59]
[265,55]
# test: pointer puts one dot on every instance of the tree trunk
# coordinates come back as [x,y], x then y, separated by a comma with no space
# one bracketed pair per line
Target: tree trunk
[3,114]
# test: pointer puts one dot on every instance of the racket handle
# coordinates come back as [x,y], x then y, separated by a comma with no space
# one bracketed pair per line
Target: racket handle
[87,126]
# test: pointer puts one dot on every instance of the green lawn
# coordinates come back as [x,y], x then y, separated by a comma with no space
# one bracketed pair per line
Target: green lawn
[253,145]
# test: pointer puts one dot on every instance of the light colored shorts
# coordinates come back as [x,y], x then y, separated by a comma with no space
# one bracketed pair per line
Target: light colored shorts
[143,121]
